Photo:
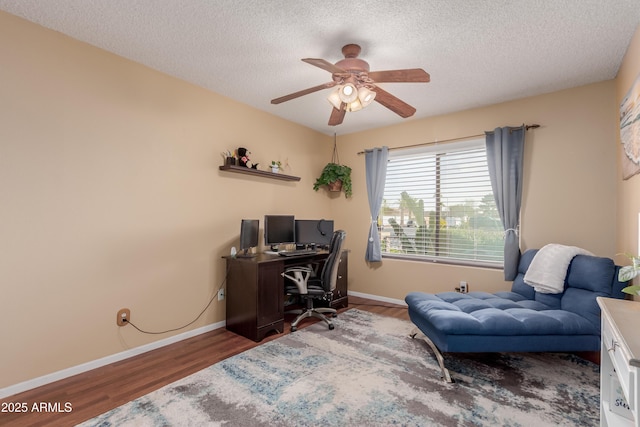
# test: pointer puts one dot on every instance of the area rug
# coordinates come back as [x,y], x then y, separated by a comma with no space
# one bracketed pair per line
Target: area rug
[369,372]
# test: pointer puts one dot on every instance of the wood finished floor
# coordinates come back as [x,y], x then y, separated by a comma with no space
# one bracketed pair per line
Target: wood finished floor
[95,392]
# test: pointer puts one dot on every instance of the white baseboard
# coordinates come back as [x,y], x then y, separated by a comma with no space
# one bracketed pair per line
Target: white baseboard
[75,370]
[94,364]
[377,298]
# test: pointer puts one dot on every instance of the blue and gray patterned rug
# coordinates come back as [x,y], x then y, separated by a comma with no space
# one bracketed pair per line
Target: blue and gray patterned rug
[368,372]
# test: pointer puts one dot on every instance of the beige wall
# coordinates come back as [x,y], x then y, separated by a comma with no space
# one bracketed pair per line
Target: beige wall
[628,190]
[111,197]
[569,188]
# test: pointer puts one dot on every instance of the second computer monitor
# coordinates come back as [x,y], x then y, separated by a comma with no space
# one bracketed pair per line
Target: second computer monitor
[279,229]
[314,232]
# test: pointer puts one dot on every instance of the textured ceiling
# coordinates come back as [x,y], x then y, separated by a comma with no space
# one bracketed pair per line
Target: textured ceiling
[477,52]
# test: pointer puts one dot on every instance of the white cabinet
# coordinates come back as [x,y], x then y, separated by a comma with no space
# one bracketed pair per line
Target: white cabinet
[620,362]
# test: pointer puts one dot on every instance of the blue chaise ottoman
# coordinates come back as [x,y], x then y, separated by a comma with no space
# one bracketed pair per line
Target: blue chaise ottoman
[521,320]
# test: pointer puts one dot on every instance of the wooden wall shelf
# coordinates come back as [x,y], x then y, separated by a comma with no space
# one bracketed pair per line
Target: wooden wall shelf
[266,174]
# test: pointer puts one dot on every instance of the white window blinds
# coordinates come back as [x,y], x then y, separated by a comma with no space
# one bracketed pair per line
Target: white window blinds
[438,205]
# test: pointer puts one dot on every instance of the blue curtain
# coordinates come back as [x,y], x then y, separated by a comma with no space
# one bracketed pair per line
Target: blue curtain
[376,170]
[505,154]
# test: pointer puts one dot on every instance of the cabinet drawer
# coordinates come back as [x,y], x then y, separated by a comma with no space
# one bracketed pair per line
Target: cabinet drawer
[620,362]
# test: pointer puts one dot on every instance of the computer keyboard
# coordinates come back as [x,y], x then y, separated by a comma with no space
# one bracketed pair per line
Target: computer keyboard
[298,252]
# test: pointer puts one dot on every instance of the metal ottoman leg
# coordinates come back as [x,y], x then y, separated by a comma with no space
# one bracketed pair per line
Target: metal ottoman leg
[445,372]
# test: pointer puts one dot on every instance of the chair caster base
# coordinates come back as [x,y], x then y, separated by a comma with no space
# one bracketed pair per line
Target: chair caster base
[331,327]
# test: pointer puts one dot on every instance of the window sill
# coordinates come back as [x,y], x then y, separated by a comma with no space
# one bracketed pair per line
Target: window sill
[446,261]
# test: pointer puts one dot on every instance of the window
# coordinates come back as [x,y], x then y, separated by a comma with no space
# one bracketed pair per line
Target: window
[438,205]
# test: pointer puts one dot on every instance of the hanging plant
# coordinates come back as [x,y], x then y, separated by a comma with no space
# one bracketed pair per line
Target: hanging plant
[335,176]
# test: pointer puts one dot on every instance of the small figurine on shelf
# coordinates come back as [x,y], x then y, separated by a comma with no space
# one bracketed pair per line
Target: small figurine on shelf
[229,158]
[275,166]
[243,158]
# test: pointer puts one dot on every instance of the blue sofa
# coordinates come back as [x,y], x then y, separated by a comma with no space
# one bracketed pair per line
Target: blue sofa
[521,320]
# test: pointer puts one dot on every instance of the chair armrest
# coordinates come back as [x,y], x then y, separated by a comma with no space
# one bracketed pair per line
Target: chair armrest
[298,268]
[299,276]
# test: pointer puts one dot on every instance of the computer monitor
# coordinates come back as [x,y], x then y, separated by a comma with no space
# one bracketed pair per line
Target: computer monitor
[314,232]
[279,229]
[249,236]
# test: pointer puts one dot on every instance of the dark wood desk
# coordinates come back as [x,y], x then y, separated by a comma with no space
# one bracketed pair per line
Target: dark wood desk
[255,291]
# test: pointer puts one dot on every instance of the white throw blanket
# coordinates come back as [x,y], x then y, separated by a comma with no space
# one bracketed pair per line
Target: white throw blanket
[549,266]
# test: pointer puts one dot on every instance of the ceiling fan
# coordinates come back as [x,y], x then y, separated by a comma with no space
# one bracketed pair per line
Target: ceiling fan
[356,85]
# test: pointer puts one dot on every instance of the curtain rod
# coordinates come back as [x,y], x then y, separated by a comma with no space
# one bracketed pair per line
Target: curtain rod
[526,127]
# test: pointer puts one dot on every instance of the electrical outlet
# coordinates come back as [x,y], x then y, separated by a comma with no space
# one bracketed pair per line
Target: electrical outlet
[124,316]
[220,294]
[463,287]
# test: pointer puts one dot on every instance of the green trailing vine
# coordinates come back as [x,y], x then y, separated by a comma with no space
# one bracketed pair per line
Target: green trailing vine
[629,272]
[333,172]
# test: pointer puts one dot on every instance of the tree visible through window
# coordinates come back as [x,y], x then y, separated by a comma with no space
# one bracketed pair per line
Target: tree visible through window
[438,205]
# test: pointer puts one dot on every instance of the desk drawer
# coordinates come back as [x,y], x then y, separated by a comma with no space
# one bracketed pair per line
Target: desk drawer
[620,362]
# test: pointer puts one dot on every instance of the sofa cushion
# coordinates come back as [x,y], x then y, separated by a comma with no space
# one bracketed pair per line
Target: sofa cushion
[583,302]
[518,284]
[463,314]
[591,273]
[585,272]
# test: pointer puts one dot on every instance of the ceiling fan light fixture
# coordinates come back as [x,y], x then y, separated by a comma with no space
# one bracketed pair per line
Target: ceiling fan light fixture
[334,98]
[354,106]
[348,93]
[357,99]
[366,96]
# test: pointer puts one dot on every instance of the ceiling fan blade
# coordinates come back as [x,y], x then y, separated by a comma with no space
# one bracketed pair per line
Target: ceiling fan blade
[302,92]
[325,65]
[396,105]
[337,116]
[411,75]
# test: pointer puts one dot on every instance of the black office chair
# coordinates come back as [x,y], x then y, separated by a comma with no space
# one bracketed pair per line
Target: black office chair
[301,283]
